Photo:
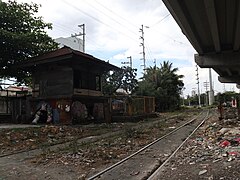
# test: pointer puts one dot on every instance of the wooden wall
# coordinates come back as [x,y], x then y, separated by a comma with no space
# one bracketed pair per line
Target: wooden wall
[53,82]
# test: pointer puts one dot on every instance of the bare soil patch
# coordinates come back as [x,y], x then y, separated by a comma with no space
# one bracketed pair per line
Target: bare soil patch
[78,160]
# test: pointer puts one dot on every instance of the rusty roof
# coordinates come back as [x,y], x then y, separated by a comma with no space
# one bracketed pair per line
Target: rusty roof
[65,54]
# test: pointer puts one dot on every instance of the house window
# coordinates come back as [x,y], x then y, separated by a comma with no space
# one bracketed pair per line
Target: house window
[84,80]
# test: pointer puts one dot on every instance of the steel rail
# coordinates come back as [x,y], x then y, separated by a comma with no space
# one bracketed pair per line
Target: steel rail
[142,149]
[65,142]
[155,173]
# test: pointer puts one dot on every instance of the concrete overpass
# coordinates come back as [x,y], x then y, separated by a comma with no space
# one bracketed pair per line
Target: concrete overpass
[213,29]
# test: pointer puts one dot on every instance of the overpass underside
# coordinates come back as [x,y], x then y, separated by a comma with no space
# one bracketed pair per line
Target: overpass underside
[213,29]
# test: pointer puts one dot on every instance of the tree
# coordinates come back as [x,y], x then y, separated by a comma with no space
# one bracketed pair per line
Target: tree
[22,35]
[129,81]
[124,78]
[226,97]
[164,84]
[112,81]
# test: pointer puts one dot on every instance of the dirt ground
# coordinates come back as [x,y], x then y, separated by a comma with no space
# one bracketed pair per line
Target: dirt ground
[92,147]
[103,144]
[212,153]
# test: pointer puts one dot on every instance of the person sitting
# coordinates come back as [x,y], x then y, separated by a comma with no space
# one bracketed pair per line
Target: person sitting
[43,114]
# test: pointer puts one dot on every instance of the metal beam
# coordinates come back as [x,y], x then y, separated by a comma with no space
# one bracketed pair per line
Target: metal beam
[236,40]
[178,14]
[229,79]
[212,19]
[218,60]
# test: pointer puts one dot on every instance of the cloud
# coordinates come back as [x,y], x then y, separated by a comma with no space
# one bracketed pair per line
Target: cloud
[112,33]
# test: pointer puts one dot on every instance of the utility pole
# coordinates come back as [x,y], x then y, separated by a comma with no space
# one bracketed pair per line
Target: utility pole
[206,85]
[143,50]
[183,94]
[130,61]
[155,71]
[155,63]
[224,88]
[199,95]
[82,26]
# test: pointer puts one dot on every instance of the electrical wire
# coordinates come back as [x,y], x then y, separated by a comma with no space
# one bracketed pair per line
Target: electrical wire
[111,11]
[65,29]
[160,20]
[121,24]
[99,21]
[149,51]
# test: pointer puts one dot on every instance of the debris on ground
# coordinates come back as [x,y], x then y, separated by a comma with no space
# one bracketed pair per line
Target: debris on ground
[83,158]
[212,153]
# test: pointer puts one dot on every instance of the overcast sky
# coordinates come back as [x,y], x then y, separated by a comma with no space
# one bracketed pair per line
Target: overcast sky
[112,33]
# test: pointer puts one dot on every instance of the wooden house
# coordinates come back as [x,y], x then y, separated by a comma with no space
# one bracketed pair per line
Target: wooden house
[69,81]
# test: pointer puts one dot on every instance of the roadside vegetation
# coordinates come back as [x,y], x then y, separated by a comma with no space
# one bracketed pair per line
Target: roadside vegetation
[22,35]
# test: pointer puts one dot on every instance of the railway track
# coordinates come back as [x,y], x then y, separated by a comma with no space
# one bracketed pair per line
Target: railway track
[55,147]
[147,162]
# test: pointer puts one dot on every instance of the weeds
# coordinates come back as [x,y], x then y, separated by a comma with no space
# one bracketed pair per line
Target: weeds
[132,133]
[159,125]
[73,146]
[45,150]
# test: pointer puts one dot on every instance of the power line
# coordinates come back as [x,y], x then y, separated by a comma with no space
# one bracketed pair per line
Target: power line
[99,21]
[65,28]
[169,37]
[111,18]
[70,31]
[116,14]
[149,52]
[160,20]
[126,35]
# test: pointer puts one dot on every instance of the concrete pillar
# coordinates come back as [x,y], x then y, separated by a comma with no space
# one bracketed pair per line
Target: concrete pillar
[211,92]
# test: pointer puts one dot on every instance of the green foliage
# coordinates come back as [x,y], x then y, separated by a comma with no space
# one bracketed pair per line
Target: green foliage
[226,96]
[129,81]
[164,84]
[124,78]
[111,81]
[22,35]
[193,100]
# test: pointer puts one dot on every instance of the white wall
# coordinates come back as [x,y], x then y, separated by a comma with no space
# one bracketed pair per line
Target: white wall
[72,42]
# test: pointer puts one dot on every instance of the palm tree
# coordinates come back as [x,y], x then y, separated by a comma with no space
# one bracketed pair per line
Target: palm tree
[164,83]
